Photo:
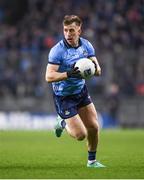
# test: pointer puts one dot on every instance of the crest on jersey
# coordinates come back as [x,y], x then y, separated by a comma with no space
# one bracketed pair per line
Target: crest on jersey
[85,53]
[67,112]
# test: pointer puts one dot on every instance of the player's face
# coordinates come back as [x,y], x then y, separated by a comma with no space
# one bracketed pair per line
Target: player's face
[72,33]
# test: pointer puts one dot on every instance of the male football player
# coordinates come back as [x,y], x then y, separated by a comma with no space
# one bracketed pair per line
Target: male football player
[76,112]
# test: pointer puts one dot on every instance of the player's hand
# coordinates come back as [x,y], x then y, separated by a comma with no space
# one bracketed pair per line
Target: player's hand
[98,69]
[74,73]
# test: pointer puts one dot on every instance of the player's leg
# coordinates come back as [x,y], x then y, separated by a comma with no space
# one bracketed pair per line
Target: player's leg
[89,117]
[75,127]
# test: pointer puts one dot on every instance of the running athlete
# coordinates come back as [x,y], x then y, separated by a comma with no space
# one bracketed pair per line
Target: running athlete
[76,112]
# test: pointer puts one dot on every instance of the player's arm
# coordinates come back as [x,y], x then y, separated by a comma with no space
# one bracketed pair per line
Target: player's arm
[52,74]
[98,68]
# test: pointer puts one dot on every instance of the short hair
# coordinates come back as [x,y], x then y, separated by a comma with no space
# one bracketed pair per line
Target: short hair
[69,19]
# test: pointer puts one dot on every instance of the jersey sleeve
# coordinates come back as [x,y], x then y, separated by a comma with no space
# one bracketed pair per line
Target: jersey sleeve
[54,56]
[90,49]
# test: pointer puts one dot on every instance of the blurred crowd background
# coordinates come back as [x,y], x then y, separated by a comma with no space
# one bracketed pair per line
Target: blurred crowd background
[29,28]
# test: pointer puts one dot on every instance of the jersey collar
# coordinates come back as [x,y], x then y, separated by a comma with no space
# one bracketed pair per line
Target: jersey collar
[69,46]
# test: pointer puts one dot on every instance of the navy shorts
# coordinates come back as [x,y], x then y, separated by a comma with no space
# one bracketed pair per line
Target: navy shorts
[67,106]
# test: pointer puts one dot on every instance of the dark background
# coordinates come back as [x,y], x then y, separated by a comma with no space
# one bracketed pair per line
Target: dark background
[29,28]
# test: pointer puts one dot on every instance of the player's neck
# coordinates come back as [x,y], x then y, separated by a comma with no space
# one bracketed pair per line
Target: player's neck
[76,44]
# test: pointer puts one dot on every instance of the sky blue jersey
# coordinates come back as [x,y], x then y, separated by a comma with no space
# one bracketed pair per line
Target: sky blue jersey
[65,56]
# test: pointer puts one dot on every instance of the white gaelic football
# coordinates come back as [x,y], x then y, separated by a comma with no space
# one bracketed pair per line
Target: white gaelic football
[86,67]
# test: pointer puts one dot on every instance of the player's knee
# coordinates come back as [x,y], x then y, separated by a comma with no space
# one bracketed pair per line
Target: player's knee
[94,128]
[81,136]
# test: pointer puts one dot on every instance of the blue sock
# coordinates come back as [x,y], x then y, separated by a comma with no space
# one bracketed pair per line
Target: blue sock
[63,123]
[91,155]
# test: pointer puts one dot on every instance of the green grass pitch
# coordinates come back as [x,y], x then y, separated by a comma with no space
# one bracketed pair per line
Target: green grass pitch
[39,154]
